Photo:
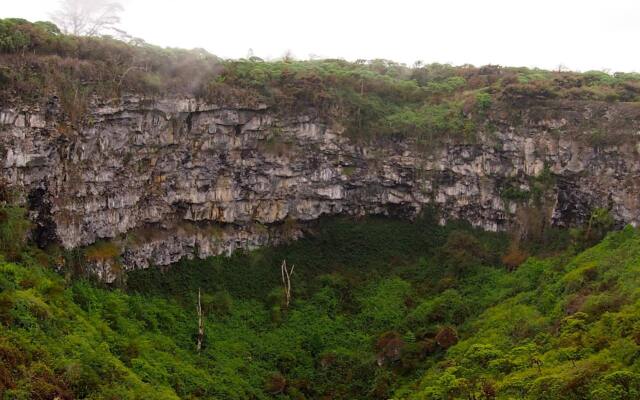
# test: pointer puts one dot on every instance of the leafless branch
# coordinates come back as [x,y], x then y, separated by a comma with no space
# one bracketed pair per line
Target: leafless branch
[88,17]
[286,281]
[200,324]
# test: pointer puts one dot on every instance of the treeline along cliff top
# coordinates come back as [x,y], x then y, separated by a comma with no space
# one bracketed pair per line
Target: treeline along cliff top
[369,97]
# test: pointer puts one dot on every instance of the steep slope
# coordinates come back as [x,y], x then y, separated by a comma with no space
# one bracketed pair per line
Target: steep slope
[166,154]
[381,309]
[177,178]
[557,329]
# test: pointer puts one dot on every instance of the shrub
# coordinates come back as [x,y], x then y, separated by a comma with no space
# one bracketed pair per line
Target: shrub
[483,101]
[462,250]
[389,347]
[446,337]
[515,193]
[7,303]
[275,383]
[599,224]
[219,303]
[538,90]
[102,250]
[14,228]
[514,256]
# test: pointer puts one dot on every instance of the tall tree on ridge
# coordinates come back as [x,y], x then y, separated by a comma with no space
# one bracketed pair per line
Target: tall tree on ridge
[88,17]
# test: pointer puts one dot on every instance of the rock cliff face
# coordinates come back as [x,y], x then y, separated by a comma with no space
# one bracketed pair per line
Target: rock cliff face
[174,178]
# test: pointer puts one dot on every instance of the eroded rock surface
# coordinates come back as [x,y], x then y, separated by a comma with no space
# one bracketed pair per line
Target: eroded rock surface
[177,178]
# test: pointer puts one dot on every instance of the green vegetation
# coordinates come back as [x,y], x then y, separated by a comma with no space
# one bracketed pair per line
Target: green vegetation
[559,329]
[370,98]
[514,193]
[380,309]
[13,231]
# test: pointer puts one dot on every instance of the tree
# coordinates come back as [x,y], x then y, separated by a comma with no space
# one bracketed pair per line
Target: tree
[514,256]
[447,337]
[286,281]
[200,323]
[600,223]
[462,250]
[88,17]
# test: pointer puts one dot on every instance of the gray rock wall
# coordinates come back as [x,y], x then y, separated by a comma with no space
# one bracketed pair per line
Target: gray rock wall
[178,178]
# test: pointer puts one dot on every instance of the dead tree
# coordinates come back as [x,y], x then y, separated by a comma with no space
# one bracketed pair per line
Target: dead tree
[200,324]
[88,17]
[286,281]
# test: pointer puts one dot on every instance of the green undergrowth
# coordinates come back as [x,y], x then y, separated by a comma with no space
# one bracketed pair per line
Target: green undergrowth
[380,309]
[357,249]
[560,328]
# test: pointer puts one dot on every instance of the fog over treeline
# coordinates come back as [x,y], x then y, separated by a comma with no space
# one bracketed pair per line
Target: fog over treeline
[543,34]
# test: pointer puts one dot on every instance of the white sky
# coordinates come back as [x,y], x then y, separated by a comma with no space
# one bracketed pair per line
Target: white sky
[580,35]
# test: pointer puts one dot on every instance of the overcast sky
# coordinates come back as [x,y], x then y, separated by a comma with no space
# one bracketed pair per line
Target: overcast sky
[580,35]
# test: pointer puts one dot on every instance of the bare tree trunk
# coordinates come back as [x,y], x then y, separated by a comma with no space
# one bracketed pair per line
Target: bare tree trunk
[200,324]
[286,281]
[361,94]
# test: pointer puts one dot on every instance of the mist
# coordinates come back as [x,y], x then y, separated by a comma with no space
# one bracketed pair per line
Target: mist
[548,34]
